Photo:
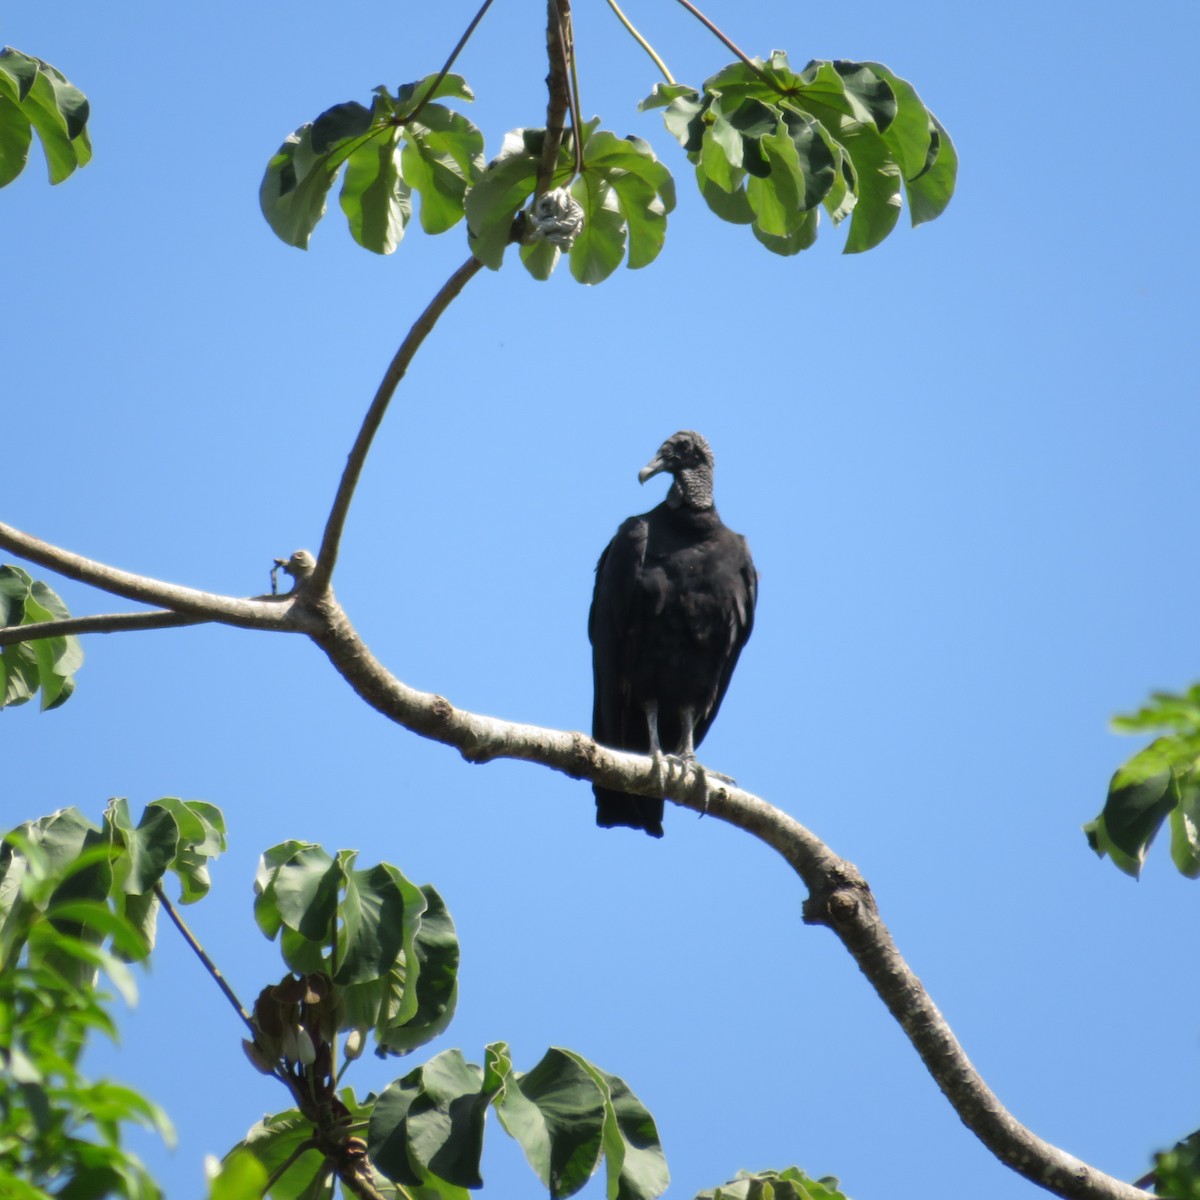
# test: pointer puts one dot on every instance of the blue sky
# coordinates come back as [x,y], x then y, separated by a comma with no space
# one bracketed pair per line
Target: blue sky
[965,463]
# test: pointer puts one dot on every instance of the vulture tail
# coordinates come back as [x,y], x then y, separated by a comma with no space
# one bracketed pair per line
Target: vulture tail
[637,812]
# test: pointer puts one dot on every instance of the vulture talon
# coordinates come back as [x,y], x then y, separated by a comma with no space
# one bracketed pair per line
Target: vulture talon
[672,609]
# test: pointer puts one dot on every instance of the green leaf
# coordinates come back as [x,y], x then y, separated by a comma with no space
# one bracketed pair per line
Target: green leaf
[379,917]
[1140,797]
[296,885]
[923,149]
[778,198]
[642,189]
[435,947]
[729,206]
[16,136]
[598,250]
[664,93]
[878,208]
[929,193]
[301,172]
[871,90]
[442,158]
[799,239]
[633,1156]
[240,1177]
[46,663]
[430,1123]
[556,1112]
[540,258]
[792,1184]
[375,198]
[201,838]
[684,119]
[272,1141]
[722,151]
[410,95]
[500,193]
[35,95]
[149,848]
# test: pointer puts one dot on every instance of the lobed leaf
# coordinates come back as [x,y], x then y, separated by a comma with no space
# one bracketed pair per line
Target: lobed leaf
[859,137]
[401,143]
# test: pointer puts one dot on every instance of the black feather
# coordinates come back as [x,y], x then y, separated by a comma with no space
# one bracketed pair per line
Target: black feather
[672,608]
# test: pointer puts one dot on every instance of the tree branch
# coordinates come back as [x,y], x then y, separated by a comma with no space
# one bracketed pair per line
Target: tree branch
[558,35]
[318,581]
[267,612]
[159,618]
[839,897]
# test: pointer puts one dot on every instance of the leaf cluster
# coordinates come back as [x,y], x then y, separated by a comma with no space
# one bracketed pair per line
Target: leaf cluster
[1160,784]
[35,95]
[772,147]
[46,663]
[791,1184]
[388,945]
[68,911]
[1177,1171]
[404,142]
[624,191]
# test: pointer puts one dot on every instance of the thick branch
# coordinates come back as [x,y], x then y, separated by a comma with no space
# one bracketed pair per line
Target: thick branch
[558,38]
[158,618]
[318,581]
[269,612]
[839,897]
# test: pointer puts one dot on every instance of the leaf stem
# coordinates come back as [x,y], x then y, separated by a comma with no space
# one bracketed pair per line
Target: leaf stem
[729,43]
[210,966]
[641,41]
[462,41]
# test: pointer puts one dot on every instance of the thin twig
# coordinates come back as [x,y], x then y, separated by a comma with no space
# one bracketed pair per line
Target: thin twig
[462,41]
[262,613]
[641,41]
[317,583]
[210,966]
[729,44]
[160,618]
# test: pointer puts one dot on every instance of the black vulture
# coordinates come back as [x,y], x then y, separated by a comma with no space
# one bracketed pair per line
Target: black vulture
[672,609]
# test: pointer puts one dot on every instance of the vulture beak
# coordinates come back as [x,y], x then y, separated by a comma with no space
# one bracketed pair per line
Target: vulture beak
[653,467]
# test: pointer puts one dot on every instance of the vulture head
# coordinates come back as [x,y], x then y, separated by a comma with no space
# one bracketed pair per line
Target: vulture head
[688,458]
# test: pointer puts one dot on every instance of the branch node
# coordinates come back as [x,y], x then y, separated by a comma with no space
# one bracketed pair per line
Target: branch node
[839,902]
[300,566]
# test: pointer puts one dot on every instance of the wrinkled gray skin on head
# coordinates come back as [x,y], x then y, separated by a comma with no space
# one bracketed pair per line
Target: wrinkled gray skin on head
[689,458]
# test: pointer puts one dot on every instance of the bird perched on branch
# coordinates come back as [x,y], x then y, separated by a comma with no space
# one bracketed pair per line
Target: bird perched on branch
[672,608]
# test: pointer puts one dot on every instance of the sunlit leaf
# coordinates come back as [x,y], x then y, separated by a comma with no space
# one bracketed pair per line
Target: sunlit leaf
[35,95]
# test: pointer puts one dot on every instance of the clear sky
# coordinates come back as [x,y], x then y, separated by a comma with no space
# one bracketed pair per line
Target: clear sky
[965,463]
